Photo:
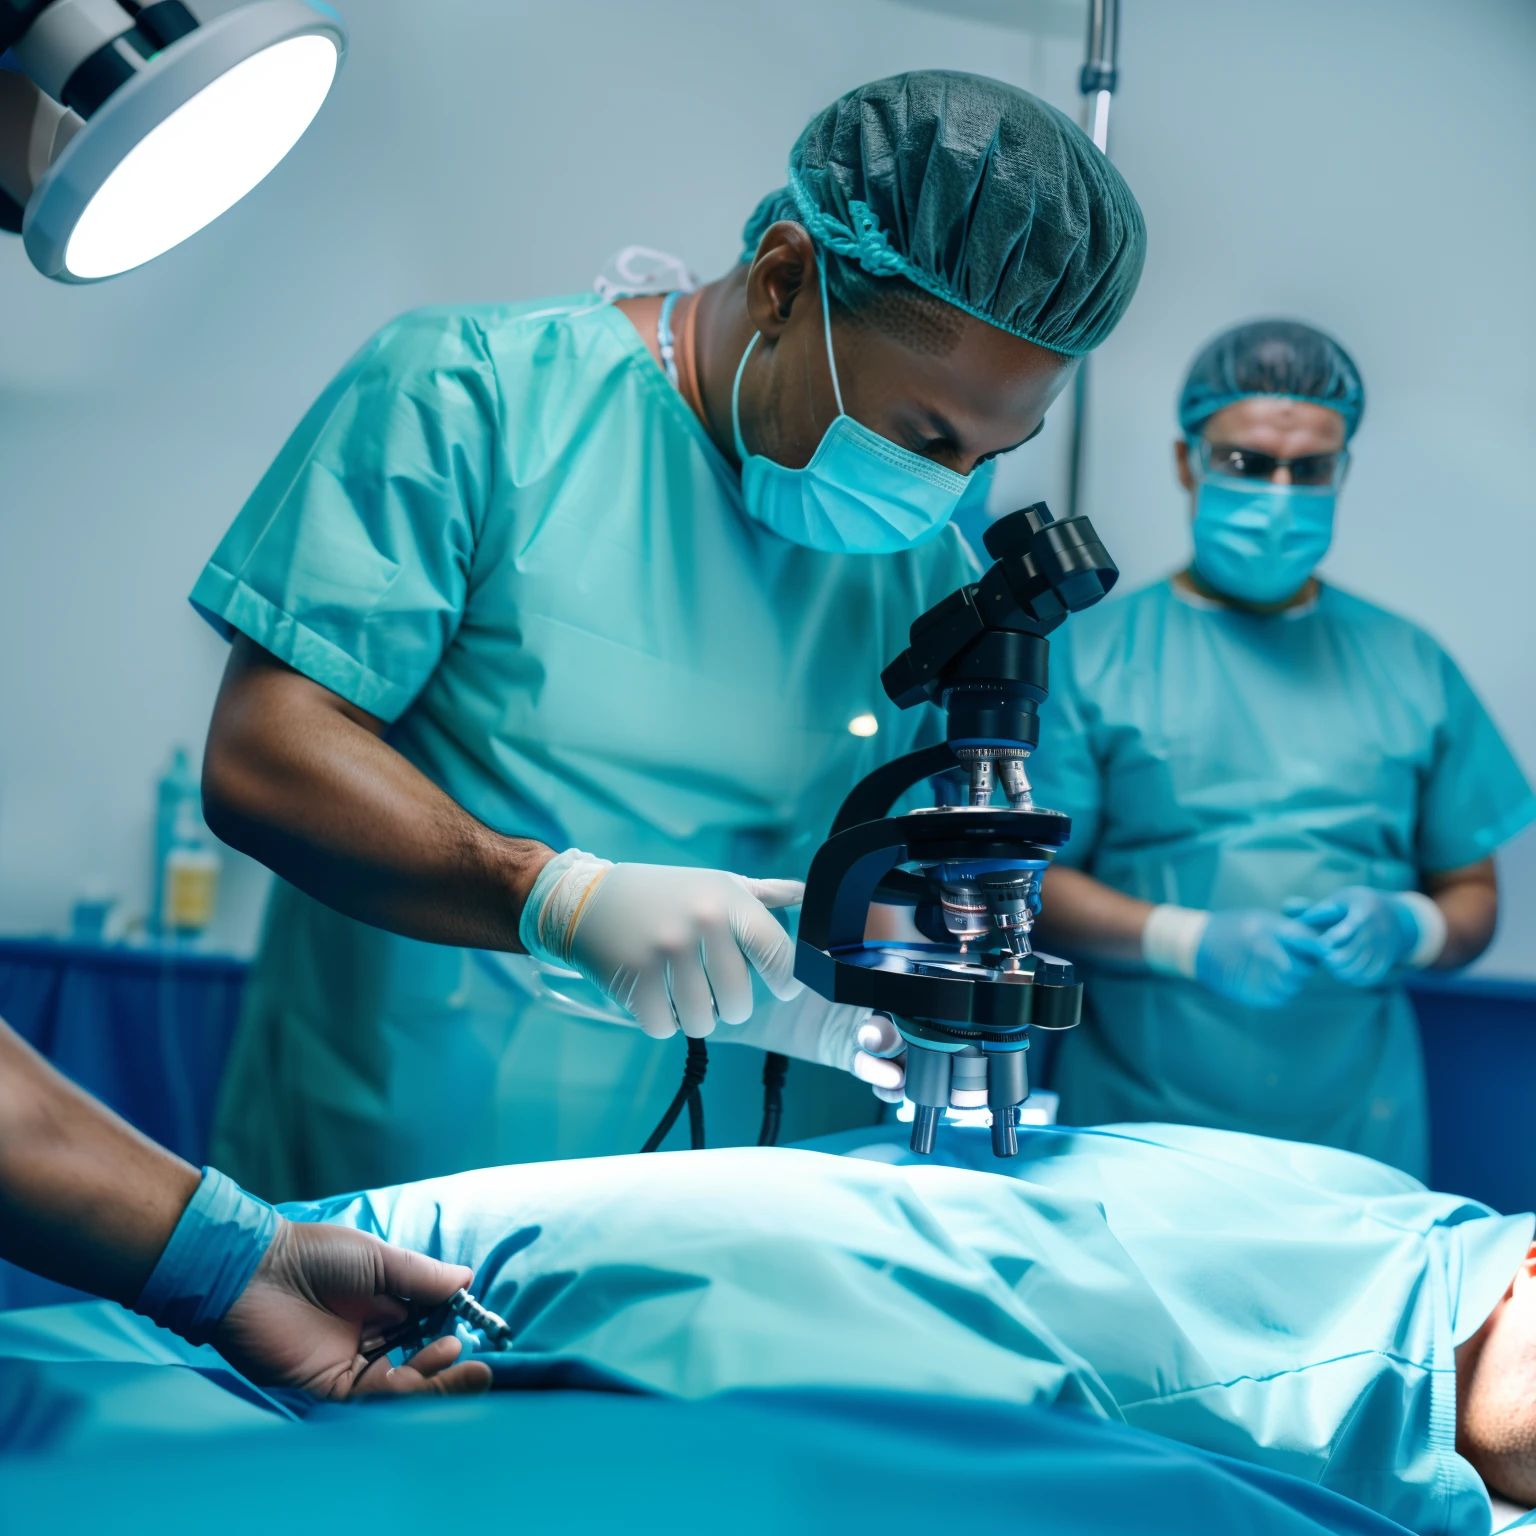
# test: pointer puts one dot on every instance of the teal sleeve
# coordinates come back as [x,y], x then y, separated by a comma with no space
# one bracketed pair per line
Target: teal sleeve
[1474,797]
[1064,771]
[352,558]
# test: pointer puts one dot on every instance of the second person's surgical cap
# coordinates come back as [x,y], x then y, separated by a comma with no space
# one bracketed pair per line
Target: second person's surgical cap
[1272,357]
[978,193]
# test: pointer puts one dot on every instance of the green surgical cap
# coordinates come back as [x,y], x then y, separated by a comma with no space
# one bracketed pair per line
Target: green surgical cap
[978,193]
[1272,357]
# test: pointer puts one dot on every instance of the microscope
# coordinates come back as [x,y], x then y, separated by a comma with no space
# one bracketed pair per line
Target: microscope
[964,1001]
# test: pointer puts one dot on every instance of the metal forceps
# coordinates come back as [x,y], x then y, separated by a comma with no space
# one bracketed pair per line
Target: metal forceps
[417,1330]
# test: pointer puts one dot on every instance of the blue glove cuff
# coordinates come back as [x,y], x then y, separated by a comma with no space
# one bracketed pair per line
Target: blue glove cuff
[220,1239]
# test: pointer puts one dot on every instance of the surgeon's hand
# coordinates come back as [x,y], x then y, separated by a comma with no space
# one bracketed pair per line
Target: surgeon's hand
[881,1060]
[670,945]
[1261,959]
[320,1294]
[1365,933]
[840,1035]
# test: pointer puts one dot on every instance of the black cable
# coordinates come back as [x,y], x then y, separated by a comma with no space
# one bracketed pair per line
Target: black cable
[694,1069]
[775,1070]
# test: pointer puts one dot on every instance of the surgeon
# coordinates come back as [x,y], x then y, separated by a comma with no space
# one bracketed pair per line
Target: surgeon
[1284,798]
[557,629]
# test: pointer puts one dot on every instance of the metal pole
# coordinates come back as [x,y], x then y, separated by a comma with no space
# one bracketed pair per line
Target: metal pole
[1097,83]
[1098,79]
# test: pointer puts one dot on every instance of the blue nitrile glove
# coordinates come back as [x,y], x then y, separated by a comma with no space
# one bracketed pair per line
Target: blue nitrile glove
[1258,958]
[1366,933]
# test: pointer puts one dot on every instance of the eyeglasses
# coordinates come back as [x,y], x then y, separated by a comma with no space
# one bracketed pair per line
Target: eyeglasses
[1239,463]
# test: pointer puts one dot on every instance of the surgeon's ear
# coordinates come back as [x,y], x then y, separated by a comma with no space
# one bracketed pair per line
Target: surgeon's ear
[1181,463]
[783,269]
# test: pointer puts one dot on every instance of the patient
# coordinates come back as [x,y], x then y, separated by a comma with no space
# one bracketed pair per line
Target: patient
[1294,1306]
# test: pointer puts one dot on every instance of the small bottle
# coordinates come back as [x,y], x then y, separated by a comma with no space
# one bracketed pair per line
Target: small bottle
[190,879]
[176,788]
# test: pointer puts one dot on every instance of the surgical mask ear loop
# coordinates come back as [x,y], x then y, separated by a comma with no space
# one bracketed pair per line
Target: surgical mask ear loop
[741,447]
[826,326]
[826,330]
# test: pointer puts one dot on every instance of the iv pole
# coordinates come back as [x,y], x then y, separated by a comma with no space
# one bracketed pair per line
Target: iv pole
[1097,83]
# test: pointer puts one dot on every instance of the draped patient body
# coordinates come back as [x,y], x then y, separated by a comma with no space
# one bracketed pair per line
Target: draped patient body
[1289,1305]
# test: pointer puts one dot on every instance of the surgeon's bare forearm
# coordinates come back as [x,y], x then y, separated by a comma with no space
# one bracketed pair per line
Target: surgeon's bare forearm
[1469,900]
[300,779]
[84,1198]
[1081,916]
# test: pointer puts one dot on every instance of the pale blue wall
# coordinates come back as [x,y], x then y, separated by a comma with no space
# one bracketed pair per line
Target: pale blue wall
[1289,158]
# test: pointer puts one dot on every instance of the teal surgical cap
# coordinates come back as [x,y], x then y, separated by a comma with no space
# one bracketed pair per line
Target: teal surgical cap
[1272,357]
[978,193]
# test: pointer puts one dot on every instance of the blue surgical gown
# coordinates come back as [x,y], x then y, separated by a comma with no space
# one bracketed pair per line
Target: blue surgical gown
[1219,759]
[502,531]
[1286,1305]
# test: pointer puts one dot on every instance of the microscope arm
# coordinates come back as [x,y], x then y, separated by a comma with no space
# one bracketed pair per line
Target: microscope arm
[872,797]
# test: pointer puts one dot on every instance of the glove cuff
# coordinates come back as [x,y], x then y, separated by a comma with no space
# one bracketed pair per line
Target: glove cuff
[1429,924]
[222,1236]
[1171,939]
[555,903]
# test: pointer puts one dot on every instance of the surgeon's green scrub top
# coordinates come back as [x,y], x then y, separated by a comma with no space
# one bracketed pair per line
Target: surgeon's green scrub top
[1219,759]
[501,530]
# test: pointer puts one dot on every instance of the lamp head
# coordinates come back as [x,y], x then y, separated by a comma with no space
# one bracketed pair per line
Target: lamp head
[126,127]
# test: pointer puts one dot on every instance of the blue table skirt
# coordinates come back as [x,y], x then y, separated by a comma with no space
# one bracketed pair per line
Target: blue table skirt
[1480,1058]
[148,1031]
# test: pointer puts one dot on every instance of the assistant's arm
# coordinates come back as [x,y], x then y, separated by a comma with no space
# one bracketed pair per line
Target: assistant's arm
[1468,899]
[301,779]
[90,1202]
[1082,916]
[84,1198]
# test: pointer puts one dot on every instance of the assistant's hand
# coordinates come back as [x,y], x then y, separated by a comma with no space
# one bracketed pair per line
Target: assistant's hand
[1258,958]
[671,945]
[318,1293]
[1365,933]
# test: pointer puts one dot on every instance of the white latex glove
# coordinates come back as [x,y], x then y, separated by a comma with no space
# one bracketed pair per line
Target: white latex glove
[839,1035]
[882,1058]
[670,945]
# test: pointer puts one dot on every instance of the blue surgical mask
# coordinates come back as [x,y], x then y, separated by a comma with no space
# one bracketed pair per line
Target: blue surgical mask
[860,494]
[1259,542]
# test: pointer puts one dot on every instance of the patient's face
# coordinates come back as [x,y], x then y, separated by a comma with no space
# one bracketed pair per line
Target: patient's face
[1496,1391]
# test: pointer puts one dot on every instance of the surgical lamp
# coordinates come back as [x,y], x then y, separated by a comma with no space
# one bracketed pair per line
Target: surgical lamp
[126,127]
